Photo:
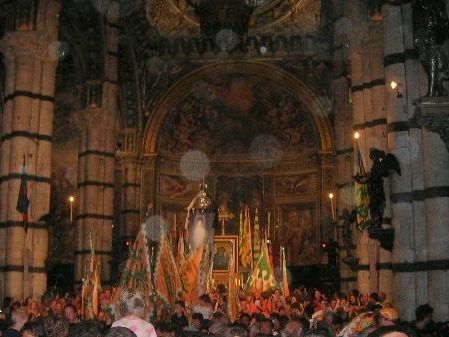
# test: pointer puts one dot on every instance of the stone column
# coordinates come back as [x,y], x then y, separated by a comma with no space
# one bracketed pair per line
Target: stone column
[95,189]
[435,192]
[27,131]
[130,167]
[404,141]
[96,160]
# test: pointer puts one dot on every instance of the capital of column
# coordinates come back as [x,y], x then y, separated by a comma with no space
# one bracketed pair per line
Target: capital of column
[433,114]
[27,46]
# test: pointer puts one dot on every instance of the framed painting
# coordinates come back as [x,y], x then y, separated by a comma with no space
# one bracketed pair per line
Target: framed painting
[225,253]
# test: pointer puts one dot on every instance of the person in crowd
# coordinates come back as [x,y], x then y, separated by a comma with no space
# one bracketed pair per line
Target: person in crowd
[88,328]
[197,322]
[56,326]
[131,307]
[19,316]
[423,321]
[120,331]
[33,329]
[179,318]
[70,314]
[204,307]
[236,331]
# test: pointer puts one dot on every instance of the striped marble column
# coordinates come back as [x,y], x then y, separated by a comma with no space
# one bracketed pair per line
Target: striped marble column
[404,141]
[96,161]
[27,132]
[130,167]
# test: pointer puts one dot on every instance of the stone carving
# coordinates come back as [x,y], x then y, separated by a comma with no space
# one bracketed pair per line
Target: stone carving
[181,17]
[382,165]
[431,32]
[225,114]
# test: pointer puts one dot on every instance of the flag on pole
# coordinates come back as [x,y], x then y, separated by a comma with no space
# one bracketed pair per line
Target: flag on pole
[285,288]
[256,237]
[167,281]
[136,274]
[233,299]
[91,285]
[262,276]
[246,251]
[361,194]
[23,201]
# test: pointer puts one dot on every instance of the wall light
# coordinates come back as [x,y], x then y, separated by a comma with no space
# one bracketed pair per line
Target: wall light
[396,86]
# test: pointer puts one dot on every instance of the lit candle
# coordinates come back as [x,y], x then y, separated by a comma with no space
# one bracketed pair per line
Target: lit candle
[331,197]
[71,200]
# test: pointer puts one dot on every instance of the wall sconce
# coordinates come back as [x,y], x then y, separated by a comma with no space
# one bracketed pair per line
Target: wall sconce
[396,86]
[356,135]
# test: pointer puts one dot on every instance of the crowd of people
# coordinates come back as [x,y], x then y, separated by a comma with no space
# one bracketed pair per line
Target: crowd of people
[301,314]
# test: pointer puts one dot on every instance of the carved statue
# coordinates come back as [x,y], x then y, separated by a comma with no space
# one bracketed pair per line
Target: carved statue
[431,32]
[382,165]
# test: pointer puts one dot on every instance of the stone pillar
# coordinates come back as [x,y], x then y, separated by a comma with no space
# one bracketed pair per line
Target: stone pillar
[95,190]
[404,141]
[130,168]
[27,131]
[435,192]
[96,161]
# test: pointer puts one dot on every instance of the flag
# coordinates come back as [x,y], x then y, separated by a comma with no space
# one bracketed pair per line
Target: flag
[91,286]
[233,297]
[262,276]
[285,288]
[136,274]
[256,237]
[167,281]
[22,201]
[361,194]
[246,253]
[189,276]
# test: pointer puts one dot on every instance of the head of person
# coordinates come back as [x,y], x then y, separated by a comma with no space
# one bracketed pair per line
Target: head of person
[236,331]
[244,319]
[398,330]
[165,330]
[266,326]
[33,329]
[388,316]
[316,333]
[219,317]
[218,328]
[373,298]
[204,300]
[197,321]
[56,326]
[293,328]
[131,303]
[19,316]
[120,331]
[317,295]
[70,313]
[180,307]
[89,328]
[424,314]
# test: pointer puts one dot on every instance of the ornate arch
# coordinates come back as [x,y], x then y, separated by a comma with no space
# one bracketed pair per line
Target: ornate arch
[314,105]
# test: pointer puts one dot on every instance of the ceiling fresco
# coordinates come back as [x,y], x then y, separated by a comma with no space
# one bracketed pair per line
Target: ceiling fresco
[234,114]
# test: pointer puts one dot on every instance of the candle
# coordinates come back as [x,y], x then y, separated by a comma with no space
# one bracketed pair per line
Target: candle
[269,223]
[331,197]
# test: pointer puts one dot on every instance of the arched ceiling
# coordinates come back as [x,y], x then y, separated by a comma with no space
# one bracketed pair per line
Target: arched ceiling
[233,106]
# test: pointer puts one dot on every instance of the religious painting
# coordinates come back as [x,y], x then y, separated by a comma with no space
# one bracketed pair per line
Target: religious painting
[225,253]
[173,187]
[296,185]
[298,233]
[233,195]
[232,113]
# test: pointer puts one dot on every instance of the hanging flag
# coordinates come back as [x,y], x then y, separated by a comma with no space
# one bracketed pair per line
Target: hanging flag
[136,273]
[285,288]
[22,201]
[256,237]
[361,194]
[262,276]
[246,253]
[91,285]
[233,296]
[167,281]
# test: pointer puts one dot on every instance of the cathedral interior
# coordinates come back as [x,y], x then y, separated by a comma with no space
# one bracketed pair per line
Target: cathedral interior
[121,108]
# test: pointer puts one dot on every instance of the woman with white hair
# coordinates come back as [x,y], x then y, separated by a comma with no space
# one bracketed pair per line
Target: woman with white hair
[130,310]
